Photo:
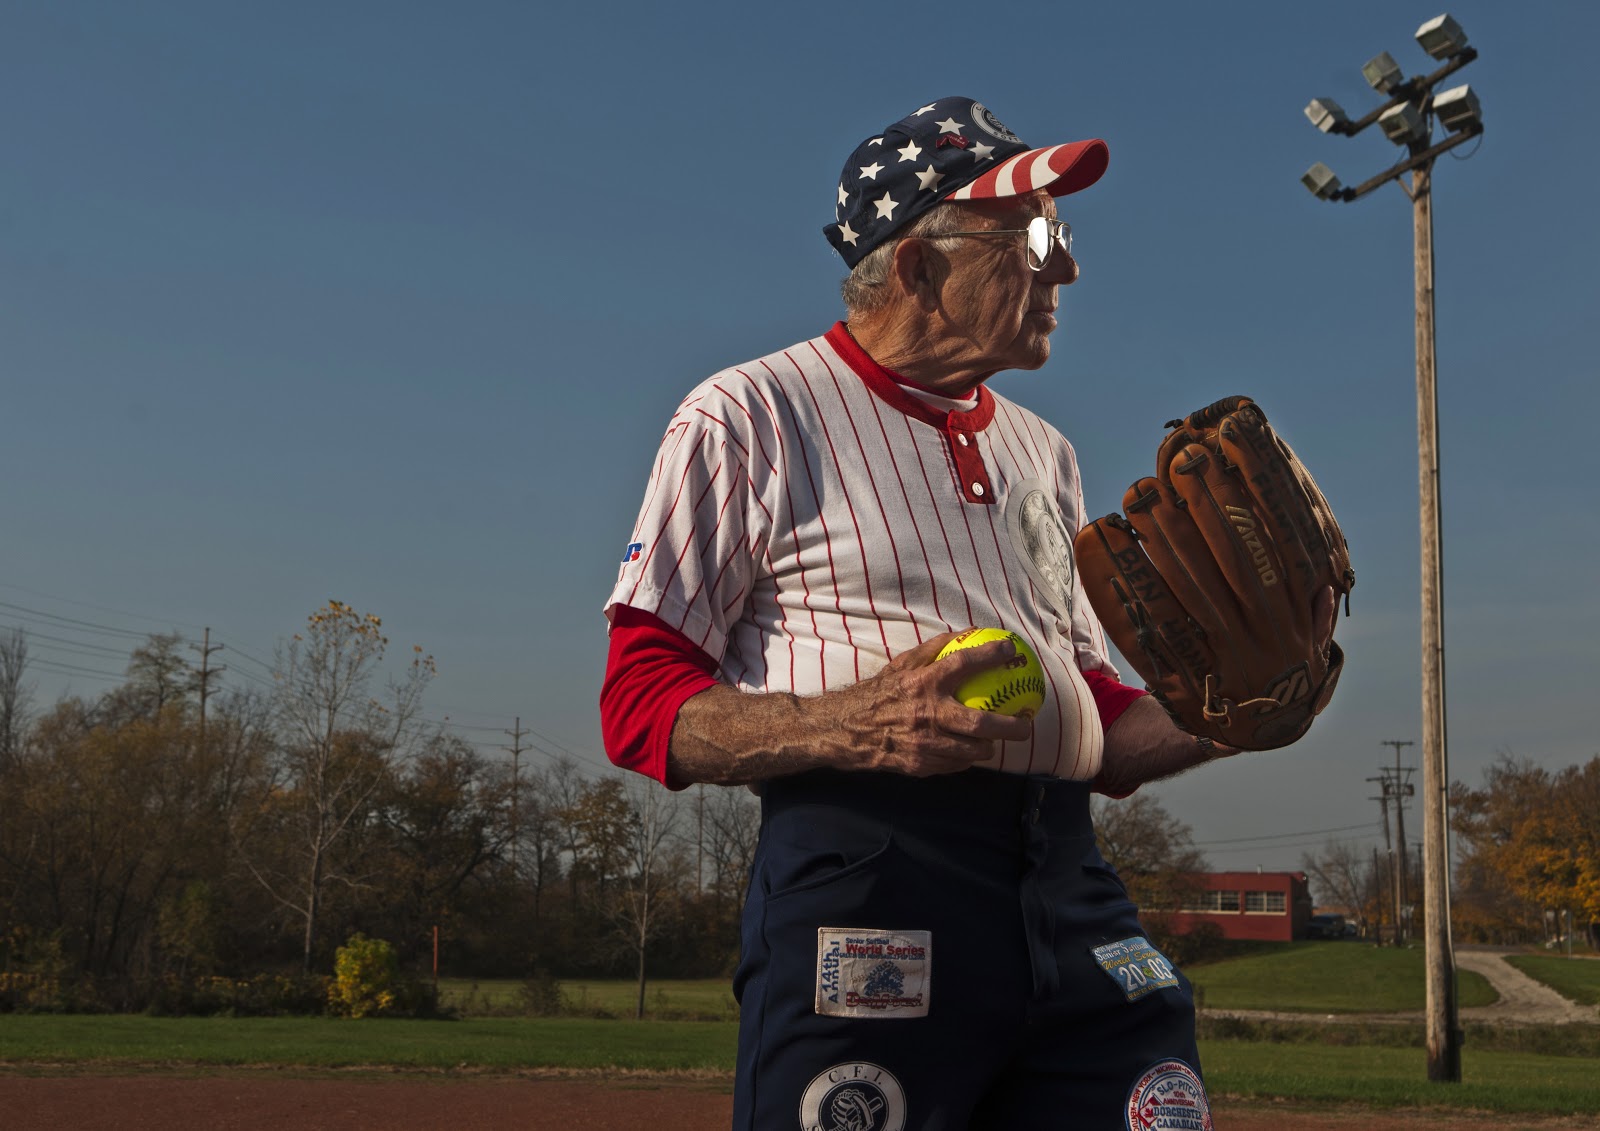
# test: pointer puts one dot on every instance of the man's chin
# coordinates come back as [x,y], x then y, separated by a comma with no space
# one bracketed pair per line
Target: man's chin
[1033,355]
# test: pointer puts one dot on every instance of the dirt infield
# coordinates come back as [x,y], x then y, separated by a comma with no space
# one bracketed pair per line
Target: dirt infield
[260,1100]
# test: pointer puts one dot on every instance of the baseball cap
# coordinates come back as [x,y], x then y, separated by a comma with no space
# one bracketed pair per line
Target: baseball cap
[950,149]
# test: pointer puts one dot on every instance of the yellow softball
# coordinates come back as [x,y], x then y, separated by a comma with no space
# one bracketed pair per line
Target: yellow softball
[1017,688]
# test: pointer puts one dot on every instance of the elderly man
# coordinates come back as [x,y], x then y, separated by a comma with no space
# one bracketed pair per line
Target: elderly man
[931,939]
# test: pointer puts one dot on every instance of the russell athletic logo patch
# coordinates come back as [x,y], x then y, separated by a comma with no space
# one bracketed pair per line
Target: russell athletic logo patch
[854,1096]
[873,974]
[631,554]
[1169,1096]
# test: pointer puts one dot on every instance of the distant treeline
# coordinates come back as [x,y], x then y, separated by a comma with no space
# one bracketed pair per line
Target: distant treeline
[147,845]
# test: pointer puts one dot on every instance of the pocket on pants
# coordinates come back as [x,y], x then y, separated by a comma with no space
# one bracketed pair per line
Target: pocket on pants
[791,869]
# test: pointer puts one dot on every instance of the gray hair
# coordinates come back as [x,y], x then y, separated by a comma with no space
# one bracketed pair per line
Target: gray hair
[863,289]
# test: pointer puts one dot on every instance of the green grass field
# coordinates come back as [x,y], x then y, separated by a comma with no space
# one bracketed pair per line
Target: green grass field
[1389,1077]
[323,1042]
[705,999]
[1386,1077]
[1326,977]
[1575,978]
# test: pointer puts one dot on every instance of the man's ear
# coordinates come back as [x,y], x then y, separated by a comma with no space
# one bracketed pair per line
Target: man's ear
[917,271]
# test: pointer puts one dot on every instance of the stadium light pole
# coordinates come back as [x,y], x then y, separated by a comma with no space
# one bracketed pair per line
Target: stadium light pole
[1408,118]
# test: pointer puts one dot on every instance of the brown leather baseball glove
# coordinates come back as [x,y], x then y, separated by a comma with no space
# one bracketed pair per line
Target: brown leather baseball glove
[1208,585]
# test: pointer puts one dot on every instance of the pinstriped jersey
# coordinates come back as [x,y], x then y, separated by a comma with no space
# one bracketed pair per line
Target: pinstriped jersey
[807,519]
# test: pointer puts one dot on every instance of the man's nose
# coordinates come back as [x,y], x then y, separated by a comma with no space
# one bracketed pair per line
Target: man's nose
[1061,268]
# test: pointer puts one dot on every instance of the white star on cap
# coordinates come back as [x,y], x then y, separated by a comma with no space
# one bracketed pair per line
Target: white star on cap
[875,141]
[886,205]
[925,110]
[871,171]
[929,178]
[848,234]
[981,152]
[910,152]
[949,126]
[843,196]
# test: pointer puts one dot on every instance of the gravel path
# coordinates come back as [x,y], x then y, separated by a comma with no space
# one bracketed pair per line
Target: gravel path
[1523,1001]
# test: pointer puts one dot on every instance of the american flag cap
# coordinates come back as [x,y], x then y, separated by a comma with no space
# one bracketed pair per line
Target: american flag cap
[950,149]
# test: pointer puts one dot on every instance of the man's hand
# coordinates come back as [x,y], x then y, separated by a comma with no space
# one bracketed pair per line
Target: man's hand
[904,720]
[907,720]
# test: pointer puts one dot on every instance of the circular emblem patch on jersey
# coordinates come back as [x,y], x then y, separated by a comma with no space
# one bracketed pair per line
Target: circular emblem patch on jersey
[854,1096]
[1034,522]
[989,124]
[1169,1097]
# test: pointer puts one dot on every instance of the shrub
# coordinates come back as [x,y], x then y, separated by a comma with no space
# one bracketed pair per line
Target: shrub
[541,995]
[366,978]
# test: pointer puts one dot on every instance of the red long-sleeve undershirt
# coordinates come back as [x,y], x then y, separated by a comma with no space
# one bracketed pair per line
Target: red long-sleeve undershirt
[652,669]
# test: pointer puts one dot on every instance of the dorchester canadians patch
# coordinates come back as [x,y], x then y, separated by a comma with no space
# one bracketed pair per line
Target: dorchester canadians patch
[867,973]
[854,1096]
[1169,1097]
[1135,966]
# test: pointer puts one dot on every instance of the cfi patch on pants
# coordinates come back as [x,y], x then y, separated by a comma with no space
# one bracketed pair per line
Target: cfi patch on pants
[1168,1096]
[1135,966]
[863,972]
[854,1096]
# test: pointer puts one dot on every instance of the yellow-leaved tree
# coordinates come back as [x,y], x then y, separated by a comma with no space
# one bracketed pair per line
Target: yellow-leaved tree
[340,743]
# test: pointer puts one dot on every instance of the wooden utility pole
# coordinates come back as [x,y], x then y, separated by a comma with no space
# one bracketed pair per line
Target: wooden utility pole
[516,749]
[1400,789]
[1443,1020]
[206,672]
[1384,793]
[1407,116]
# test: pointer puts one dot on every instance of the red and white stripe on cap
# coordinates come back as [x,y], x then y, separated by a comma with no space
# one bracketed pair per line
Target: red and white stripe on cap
[1058,169]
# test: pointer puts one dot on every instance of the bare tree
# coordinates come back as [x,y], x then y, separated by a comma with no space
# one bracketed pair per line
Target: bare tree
[638,908]
[539,834]
[16,697]
[565,786]
[732,825]
[1341,874]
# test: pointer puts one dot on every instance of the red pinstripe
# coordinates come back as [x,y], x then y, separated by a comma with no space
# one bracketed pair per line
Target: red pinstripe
[838,599]
[822,642]
[872,479]
[938,513]
[783,618]
[651,553]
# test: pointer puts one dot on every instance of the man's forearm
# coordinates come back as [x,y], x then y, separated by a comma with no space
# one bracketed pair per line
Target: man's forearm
[1145,744]
[728,737]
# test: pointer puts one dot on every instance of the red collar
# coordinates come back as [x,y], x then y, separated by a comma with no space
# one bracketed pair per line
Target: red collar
[885,385]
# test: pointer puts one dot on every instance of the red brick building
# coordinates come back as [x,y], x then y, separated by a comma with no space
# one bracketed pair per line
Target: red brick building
[1273,906]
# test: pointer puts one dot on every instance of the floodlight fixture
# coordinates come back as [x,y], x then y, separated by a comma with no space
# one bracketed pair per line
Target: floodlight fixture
[1322,182]
[1382,72]
[1442,37]
[1458,109]
[1327,115]
[1403,124]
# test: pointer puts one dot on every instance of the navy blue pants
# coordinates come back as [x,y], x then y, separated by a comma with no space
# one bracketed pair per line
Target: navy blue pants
[951,953]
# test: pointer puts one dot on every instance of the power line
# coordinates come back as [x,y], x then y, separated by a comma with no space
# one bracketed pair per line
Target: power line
[1280,836]
[105,628]
[97,608]
[57,668]
[74,644]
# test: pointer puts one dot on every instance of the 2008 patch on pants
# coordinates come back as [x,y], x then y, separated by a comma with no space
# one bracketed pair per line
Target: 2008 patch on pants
[867,973]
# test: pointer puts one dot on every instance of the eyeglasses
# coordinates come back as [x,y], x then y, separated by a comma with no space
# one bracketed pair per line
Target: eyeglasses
[1043,234]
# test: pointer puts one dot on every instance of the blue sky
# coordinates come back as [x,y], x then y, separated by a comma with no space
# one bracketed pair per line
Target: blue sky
[390,303]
